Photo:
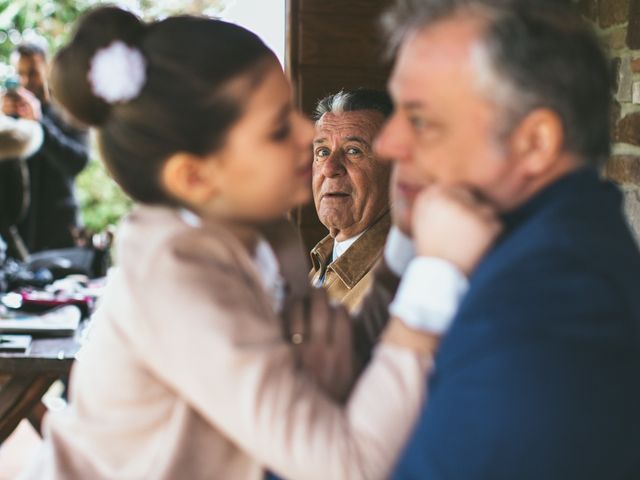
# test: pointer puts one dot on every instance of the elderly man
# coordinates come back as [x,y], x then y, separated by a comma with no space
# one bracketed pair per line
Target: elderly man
[350,190]
[507,102]
[53,212]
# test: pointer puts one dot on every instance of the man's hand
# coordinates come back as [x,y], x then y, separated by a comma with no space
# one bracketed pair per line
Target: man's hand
[21,103]
[452,224]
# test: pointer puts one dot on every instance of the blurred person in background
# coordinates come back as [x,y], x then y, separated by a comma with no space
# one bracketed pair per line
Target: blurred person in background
[19,139]
[52,217]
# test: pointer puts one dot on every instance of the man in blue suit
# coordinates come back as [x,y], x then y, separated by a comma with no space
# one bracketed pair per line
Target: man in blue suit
[539,374]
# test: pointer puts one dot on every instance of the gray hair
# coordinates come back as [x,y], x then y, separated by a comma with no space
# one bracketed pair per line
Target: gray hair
[406,17]
[355,100]
[533,54]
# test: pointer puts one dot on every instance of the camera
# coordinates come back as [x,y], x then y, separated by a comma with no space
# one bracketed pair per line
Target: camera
[11,84]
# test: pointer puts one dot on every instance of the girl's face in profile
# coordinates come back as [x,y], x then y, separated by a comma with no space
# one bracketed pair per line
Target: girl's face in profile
[266,161]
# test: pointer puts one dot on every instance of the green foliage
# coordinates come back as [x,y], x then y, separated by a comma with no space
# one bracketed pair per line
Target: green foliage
[47,20]
[52,20]
[50,23]
[102,202]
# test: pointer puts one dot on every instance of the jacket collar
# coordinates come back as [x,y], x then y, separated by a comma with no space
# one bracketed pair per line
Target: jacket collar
[361,256]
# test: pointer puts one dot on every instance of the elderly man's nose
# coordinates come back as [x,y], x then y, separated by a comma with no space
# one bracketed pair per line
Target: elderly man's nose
[333,165]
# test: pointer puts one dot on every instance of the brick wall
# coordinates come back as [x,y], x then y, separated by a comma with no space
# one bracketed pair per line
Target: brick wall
[618,24]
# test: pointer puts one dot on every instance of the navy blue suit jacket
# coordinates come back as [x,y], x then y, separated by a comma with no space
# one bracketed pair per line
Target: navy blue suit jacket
[539,376]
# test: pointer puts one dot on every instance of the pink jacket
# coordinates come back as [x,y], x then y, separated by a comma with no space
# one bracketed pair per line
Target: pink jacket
[186,373]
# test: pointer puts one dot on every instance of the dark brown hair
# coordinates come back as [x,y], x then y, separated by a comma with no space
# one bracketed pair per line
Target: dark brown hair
[29,49]
[184,105]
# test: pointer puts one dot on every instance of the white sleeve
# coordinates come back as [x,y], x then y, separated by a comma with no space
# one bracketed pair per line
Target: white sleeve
[429,294]
[398,251]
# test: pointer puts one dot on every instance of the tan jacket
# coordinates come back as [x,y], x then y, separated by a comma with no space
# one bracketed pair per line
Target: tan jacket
[186,374]
[348,279]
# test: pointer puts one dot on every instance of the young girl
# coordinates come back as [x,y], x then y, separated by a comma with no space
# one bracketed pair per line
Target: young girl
[187,373]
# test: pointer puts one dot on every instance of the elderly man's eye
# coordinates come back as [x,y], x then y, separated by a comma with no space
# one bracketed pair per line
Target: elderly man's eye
[322,152]
[353,151]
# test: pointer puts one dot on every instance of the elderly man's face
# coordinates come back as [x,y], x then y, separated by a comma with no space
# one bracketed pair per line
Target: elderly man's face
[350,184]
[443,129]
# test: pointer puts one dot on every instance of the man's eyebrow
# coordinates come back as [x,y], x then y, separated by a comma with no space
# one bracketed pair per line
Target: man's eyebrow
[354,138]
[319,140]
[413,105]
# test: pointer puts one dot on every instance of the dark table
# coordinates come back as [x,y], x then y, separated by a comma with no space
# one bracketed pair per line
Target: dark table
[25,377]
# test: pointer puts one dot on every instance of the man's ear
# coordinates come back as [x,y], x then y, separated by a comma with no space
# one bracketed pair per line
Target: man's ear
[189,178]
[538,141]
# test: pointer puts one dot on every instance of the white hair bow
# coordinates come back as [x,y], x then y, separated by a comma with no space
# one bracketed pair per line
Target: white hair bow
[117,73]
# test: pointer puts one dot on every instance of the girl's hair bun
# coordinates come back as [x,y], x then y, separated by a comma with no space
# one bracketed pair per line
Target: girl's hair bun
[156,89]
[97,29]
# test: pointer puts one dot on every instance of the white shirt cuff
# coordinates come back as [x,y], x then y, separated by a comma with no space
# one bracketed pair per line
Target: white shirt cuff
[398,251]
[429,295]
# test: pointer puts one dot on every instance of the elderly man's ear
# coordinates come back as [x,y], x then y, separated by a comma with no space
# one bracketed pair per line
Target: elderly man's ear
[537,142]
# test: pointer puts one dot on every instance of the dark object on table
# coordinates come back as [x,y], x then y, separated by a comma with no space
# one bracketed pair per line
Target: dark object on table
[14,274]
[43,268]
[90,261]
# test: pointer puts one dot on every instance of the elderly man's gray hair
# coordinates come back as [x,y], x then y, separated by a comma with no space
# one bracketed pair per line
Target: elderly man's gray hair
[534,54]
[354,100]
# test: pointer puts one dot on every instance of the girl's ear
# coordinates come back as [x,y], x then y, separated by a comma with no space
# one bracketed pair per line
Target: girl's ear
[189,178]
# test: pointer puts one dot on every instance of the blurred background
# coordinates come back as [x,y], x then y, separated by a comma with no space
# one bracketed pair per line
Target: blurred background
[49,23]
